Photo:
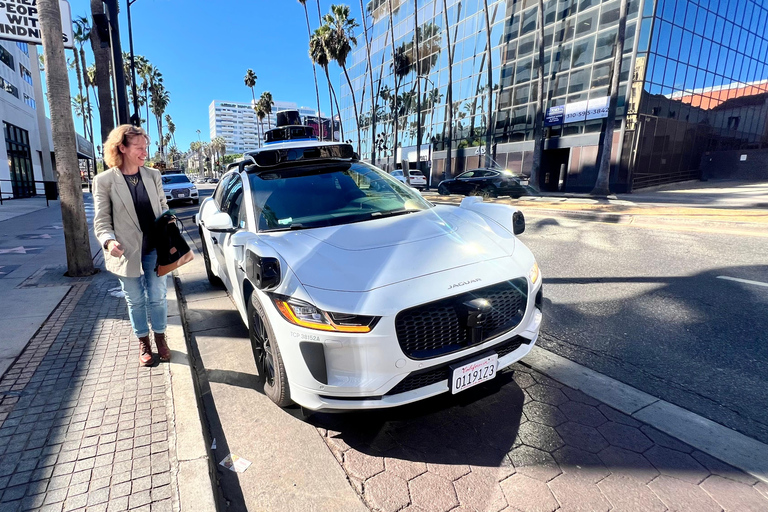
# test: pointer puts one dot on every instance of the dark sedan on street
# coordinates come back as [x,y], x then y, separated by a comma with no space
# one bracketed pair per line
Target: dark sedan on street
[486,182]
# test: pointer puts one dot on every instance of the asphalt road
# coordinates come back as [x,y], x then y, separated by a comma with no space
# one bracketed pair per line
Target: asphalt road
[649,307]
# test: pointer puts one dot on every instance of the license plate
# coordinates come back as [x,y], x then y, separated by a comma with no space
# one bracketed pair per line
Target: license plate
[474,373]
[183,194]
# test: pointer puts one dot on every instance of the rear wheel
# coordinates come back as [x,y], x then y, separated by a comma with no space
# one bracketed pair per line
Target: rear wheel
[266,354]
[487,192]
[443,190]
[212,278]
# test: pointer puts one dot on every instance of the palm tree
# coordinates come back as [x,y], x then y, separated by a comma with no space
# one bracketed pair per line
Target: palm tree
[339,43]
[171,127]
[538,126]
[373,94]
[102,76]
[76,237]
[447,172]
[79,34]
[250,81]
[602,184]
[260,114]
[489,87]
[90,80]
[314,71]
[82,109]
[266,97]
[319,55]
[160,100]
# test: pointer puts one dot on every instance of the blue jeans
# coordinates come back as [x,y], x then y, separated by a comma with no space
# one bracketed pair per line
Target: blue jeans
[146,294]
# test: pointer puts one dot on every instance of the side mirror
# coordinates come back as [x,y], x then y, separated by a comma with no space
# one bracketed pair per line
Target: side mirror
[219,222]
[518,222]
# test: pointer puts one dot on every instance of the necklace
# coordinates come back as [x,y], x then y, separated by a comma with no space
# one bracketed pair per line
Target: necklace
[133,180]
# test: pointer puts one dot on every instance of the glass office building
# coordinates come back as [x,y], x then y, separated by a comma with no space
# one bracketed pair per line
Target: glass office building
[693,81]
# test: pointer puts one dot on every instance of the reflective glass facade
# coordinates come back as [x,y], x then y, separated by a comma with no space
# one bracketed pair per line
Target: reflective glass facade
[693,79]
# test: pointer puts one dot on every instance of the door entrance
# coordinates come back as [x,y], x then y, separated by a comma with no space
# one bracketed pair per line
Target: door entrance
[554,169]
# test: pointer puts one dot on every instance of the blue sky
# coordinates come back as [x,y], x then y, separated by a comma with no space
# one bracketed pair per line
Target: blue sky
[203,49]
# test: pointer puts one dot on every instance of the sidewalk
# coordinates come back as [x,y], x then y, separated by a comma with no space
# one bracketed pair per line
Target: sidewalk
[81,424]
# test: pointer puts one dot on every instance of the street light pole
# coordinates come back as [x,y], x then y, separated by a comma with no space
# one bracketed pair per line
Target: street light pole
[118,74]
[135,118]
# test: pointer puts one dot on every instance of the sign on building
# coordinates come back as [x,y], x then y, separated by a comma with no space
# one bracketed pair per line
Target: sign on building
[19,21]
[598,108]
[576,111]
[554,115]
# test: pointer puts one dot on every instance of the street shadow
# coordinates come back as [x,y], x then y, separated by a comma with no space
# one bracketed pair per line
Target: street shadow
[476,427]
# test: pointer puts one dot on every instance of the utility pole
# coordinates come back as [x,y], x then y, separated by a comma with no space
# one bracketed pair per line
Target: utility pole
[121,99]
[135,118]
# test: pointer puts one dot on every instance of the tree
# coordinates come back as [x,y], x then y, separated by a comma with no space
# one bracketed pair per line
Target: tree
[250,81]
[339,43]
[538,126]
[602,184]
[489,87]
[152,79]
[80,34]
[82,109]
[171,127]
[319,55]
[83,35]
[160,100]
[260,114]
[314,71]
[102,81]
[76,238]
[373,93]
[267,102]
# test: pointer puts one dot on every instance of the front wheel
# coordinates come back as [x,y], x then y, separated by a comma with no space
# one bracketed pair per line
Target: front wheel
[266,354]
[212,278]
[443,190]
[487,192]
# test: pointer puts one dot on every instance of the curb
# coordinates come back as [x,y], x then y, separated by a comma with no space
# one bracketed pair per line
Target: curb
[195,490]
[734,448]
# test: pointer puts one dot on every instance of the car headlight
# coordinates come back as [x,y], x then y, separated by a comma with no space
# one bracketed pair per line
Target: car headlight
[534,273]
[306,315]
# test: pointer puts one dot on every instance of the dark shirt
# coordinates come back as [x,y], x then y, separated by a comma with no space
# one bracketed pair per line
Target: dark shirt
[144,212]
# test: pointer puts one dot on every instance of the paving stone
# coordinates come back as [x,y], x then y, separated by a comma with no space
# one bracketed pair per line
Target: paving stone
[405,469]
[448,471]
[14,493]
[479,491]
[665,440]
[161,493]
[618,416]
[578,494]
[433,493]
[118,505]
[387,492]
[120,490]
[544,413]
[361,465]
[75,502]
[625,462]
[523,380]
[734,496]
[628,495]
[679,495]
[720,468]
[540,436]
[676,464]
[624,436]
[527,494]
[162,506]
[534,463]
[582,437]
[547,394]
[582,413]
[578,396]
[580,463]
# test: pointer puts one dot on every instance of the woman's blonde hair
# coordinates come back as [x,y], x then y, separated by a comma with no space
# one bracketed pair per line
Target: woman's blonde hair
[121,135]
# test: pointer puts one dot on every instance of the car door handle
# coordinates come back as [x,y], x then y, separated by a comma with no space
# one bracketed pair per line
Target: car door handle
[215,242]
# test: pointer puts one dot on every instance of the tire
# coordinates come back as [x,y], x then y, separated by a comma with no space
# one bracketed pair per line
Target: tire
[487,193]
[266,355]
[196,201]
[443,190]
[212,278]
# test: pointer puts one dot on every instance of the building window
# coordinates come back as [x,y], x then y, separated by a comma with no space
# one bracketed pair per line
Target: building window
[29,101]
[23,47]
[9,87]
[19,160]
[25,74]
[733,123]
[6,58]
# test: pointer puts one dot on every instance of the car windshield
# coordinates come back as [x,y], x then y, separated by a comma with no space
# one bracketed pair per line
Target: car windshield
[175,178]
[328,195]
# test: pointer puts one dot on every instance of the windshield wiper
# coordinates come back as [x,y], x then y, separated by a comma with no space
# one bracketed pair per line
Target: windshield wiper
[293,227]
[392,213]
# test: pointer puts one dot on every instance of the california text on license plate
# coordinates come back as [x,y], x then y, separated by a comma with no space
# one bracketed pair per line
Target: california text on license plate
[472,374]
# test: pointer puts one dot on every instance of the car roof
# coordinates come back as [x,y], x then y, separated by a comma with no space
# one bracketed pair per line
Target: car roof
[292,145]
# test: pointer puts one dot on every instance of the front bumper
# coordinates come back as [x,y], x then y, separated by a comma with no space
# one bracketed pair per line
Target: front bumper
[332,371]
[172,196]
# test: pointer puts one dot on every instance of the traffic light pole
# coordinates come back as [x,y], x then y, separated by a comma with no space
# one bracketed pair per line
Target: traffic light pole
[118,74]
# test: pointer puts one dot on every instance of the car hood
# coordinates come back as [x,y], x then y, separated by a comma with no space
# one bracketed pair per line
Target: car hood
[367,255]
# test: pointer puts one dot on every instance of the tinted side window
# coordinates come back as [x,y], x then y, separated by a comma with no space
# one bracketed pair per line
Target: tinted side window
[218,194]
[233,201]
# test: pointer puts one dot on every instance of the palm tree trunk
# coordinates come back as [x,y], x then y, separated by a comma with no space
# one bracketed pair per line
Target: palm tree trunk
[146,100]
[378,90]
[489,92]
[76,238]
[160,136]
[79,76]
[396,108]
[314,73]
[354,105]
[448,142]
[418,91]
[101,61]
[602,185]
[538,126]
[336,101]
[373,96]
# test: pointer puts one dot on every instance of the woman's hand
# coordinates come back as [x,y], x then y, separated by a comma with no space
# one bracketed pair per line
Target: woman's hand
[115,249]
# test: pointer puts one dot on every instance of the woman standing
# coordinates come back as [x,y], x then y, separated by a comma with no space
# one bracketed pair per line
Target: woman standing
[129,197]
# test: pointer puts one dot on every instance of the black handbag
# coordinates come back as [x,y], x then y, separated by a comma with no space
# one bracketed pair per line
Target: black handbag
[172,250]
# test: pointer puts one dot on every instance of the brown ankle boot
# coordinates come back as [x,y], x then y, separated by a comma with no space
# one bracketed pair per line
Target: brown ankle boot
[145,352]
[162,347]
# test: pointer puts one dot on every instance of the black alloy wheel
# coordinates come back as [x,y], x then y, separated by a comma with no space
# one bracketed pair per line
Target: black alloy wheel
[487,192]
[212,278]
[442,189]
[266,354]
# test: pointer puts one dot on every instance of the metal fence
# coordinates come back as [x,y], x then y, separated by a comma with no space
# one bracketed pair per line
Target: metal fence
[22,190]
[644,180]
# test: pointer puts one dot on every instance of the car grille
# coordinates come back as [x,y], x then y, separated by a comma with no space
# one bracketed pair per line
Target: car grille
[439,328]
[422,378]
[178,192]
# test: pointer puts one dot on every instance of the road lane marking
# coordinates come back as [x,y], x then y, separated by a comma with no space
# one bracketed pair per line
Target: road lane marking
[747,281]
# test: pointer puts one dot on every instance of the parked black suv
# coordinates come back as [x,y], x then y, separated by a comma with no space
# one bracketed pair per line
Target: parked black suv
[486,182]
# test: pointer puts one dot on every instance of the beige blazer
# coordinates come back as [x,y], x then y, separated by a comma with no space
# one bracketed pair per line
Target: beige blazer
[116,216]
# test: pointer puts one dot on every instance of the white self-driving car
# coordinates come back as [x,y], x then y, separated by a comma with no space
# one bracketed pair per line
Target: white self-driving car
[358,293]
